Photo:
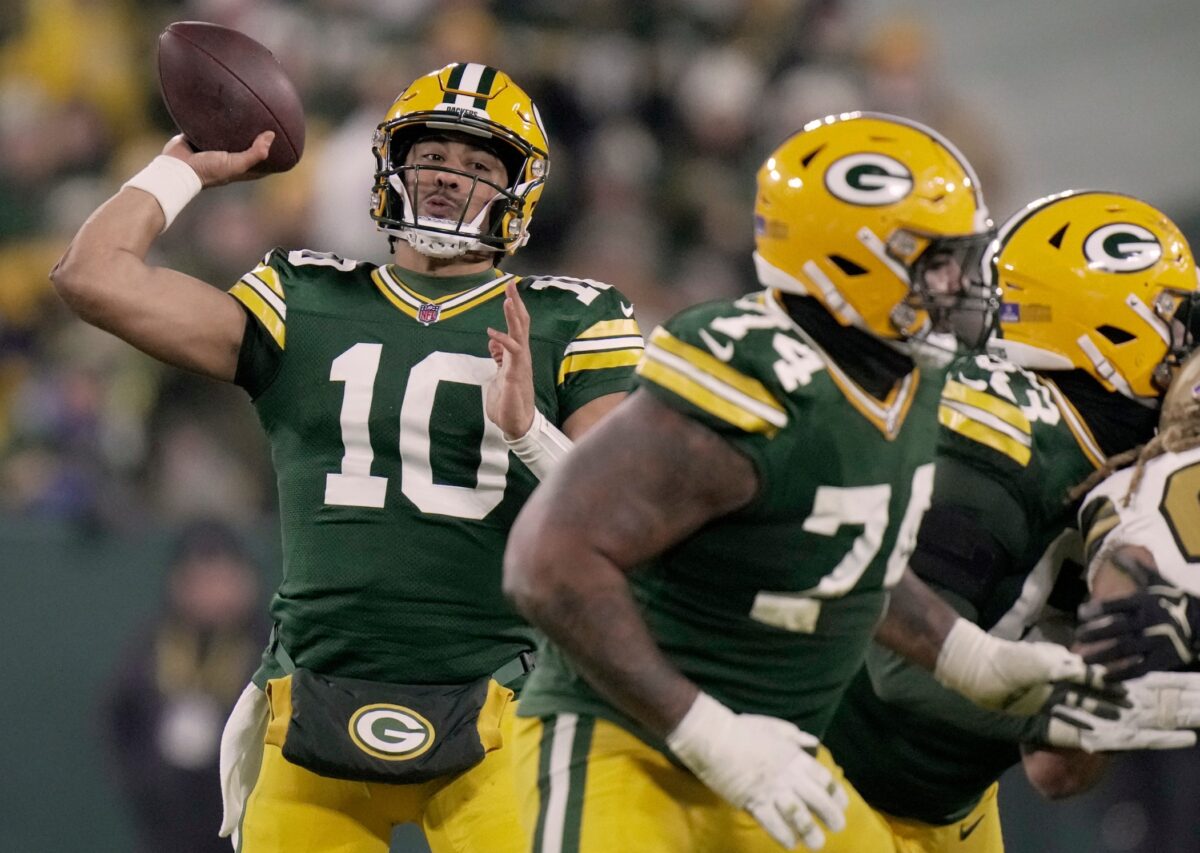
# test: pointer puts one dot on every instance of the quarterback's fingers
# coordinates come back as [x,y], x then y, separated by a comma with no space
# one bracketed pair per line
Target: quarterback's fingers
[515,311]
[504,340]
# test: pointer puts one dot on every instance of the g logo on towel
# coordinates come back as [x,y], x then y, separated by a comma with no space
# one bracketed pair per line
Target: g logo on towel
[391,732]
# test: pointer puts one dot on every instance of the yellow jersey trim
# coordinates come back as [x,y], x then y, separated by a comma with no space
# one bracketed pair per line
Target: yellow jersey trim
[1000,409]
[977,431]
[610,329]
[702,398]
[1078,426]
[597,361]
[707,363]
[266,314]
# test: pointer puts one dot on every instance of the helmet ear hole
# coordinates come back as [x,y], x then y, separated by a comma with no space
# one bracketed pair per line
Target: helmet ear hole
[1115,335]
[847,266]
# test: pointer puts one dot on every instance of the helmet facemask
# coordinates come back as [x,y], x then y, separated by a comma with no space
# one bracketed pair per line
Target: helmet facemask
[497,225]
[946,284]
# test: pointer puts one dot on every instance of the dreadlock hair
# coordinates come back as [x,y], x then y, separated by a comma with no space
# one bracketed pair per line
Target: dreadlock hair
[1179,430]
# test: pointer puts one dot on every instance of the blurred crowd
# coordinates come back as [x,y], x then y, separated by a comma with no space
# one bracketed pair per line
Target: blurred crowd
[658,113]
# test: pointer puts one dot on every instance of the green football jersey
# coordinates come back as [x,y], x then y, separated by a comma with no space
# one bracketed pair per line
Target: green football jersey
[1011,447]
[771,608]
[396,493]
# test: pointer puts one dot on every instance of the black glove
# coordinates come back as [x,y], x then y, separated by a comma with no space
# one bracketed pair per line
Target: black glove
[1157,628]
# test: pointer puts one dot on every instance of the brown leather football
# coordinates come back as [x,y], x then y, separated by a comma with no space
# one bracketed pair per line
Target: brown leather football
[222,89]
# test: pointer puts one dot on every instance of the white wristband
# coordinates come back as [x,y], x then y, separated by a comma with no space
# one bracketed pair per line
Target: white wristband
[172,182]
[542,447]
[962,656]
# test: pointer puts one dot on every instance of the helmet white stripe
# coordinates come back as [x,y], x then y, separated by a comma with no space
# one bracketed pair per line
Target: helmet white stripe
[1156,323]
[472,74]
[1105,367]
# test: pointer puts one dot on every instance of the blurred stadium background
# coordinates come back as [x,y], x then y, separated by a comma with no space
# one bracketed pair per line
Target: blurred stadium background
[658,113]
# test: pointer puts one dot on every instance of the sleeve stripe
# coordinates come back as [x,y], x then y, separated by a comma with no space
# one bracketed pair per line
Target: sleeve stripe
[270,320]
[610,328]
[664,343]
[264,289]
[986,435]
[597,361]
[990,421]
[1103,520]
[980,400]
[770,412]
[633,342]
[703,398]
[270,276]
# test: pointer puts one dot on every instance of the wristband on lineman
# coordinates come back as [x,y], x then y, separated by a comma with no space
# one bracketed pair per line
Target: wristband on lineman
[963,659]
[542,447]
[172,182]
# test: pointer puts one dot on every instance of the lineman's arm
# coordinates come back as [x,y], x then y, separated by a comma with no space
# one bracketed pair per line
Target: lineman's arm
[636,485]
[178,319]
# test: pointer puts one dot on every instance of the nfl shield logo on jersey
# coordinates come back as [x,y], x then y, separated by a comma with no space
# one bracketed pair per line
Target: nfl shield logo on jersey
[429,313]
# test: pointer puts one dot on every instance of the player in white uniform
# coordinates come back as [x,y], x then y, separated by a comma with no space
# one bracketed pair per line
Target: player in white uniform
[1143,523]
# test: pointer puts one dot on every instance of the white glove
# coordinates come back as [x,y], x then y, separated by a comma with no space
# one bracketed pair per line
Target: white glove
[762,764]
[1105,720]
[1003,675]
[1165,700]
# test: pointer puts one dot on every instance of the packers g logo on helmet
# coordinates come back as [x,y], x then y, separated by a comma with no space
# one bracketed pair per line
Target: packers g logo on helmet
[391,732]
[1122,247]
[1095,281]
[869,179]
[881,220]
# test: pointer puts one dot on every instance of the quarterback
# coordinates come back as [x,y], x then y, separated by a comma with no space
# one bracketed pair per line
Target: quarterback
[386,693]
[1098,290]
[711,563]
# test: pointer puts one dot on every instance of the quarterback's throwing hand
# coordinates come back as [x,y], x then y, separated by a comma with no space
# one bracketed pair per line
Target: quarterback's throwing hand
[765,765]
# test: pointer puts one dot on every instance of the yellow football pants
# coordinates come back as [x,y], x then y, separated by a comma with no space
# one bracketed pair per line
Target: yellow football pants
[588,786]
[292,810]
[978,832]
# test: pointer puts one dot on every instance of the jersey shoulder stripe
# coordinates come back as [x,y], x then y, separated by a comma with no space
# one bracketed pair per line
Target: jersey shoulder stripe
[987,420]
[261,292]
[711,385]
[1098,518]
[1079,428]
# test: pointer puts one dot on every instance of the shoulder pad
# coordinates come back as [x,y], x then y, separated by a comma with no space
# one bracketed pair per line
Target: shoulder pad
[731,359]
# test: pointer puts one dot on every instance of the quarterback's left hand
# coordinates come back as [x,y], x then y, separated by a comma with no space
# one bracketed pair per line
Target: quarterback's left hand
[1157,628]
[509,399]
[1104,719]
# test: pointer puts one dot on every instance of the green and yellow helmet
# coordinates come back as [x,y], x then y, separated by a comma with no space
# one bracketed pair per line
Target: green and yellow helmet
[1096,281]
[481,101]
[858,210]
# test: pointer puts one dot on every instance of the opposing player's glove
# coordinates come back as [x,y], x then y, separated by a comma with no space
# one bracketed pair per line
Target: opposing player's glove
[1104,719]
[762,764]
[1157,628]
[1008,676]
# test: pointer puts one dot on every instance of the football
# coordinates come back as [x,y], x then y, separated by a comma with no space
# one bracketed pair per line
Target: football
[222,88]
